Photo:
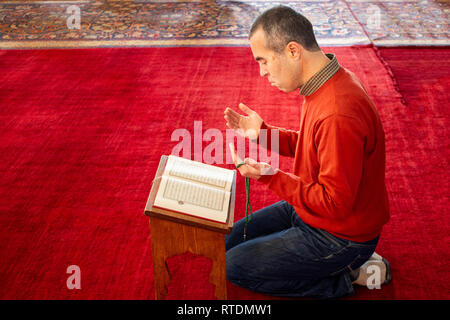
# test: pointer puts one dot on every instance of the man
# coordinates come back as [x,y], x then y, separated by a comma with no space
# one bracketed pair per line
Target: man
[321,238]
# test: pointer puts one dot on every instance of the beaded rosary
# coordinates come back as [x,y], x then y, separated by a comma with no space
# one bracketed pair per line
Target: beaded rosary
[248,207]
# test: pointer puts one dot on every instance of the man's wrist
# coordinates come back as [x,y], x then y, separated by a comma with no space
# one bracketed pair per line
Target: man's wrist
[267,175]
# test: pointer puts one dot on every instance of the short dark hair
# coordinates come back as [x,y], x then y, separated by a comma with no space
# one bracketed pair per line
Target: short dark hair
[282,25]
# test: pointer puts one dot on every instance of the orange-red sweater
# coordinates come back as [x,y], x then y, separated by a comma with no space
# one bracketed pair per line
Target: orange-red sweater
[338,179]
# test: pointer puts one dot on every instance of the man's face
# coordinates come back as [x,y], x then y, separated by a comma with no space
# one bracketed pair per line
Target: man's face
[281,70]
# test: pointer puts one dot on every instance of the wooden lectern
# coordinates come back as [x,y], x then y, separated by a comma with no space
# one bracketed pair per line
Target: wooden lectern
[174,233]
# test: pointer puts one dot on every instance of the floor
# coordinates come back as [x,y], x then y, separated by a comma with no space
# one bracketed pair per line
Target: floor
[73,191]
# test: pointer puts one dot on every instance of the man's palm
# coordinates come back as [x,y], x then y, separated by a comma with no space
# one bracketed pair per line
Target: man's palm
[248,125]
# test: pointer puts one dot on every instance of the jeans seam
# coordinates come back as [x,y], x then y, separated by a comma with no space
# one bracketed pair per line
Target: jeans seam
[331,254]
[323,233]
[346,267]
[357,245]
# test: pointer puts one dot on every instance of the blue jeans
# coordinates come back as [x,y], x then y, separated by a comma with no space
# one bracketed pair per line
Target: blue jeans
[283,256]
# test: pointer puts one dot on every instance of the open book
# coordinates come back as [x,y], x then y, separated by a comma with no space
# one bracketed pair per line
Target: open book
[195,188]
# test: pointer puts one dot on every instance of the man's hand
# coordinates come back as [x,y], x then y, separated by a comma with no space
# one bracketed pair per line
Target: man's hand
[247,126]
[249,168]
[254,170]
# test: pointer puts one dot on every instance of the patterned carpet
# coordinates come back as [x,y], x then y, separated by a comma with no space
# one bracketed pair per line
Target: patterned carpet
[45,24]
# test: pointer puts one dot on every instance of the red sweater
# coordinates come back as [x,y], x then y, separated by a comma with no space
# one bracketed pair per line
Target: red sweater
[338,179]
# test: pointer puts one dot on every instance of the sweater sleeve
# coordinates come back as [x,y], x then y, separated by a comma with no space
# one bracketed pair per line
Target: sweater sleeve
[287,139]
[339,142]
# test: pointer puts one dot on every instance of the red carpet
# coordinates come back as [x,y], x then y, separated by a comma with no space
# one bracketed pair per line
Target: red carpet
[83,130]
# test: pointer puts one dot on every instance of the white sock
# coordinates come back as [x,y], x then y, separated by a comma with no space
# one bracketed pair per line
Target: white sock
[376,256]
[368,273]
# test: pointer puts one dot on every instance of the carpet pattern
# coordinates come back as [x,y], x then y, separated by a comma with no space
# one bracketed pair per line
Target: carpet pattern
[403,23]
[83,131]
[44,24]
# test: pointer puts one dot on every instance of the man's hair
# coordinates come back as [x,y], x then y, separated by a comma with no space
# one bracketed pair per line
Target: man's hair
[282,25]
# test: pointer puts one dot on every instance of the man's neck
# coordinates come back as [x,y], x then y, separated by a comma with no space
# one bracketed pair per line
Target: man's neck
[313,62]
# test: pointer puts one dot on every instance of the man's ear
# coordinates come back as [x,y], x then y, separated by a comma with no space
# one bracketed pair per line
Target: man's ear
[294,50]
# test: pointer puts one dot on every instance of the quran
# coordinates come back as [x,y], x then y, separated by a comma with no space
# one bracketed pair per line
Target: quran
[196,189]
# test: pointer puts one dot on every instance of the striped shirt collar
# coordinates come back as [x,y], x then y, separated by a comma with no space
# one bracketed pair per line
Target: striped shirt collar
[325,74]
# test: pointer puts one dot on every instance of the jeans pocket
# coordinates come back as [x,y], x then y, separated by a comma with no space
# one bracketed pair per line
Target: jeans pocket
[348,267]
[328,237]
[326,248]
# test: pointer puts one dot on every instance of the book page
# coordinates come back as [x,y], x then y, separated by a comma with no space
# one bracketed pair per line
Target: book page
[199,172]
[193,199]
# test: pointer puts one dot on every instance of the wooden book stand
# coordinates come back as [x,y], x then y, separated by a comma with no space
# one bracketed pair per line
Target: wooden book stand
[174,233]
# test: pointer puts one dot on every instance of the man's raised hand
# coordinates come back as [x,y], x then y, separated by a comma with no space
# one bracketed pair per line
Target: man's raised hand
[247,126]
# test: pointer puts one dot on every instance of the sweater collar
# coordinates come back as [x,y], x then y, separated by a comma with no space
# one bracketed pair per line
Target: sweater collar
[325,74]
